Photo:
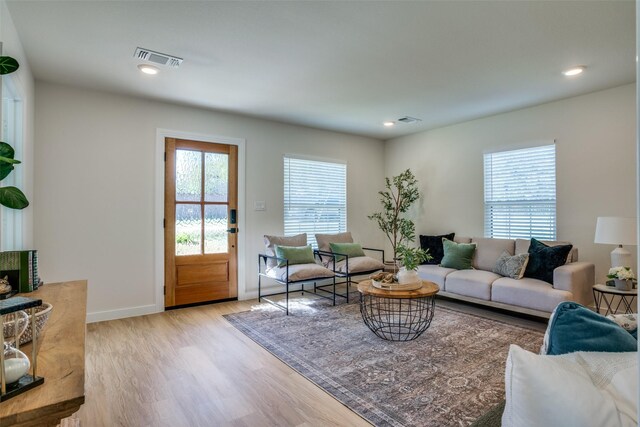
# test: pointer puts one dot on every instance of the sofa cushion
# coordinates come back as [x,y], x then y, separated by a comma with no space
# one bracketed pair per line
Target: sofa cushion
[323,240]
[472,283]
[457,255]
[271,241]
[433,244]
[511,265]
[522,246]
[528,293]
[434,273]
[577,389]
[358,265]
[573,327]
[459,239]
[294,255]
[348,249]
[489,250]
[299,272]
[544,259]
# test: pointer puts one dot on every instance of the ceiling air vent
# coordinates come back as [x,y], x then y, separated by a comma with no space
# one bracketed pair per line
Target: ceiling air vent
[157,57]
[408,120]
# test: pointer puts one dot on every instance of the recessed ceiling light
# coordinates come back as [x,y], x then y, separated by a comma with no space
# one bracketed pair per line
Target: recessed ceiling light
[148,69]
[388,124]
[574,71]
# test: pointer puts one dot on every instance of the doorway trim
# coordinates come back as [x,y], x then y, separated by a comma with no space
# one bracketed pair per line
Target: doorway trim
[161,134]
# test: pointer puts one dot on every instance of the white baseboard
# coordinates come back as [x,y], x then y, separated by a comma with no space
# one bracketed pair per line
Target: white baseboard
[121,313]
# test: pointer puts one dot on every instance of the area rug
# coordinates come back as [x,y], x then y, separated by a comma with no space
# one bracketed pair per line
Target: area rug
[449,376]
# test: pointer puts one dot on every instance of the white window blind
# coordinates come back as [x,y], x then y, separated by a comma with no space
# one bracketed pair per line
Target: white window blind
[315,197]
[520,193]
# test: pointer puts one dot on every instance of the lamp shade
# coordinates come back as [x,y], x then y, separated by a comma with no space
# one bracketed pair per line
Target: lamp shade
[614,230]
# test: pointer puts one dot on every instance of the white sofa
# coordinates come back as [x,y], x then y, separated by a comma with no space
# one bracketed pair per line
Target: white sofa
[571,282]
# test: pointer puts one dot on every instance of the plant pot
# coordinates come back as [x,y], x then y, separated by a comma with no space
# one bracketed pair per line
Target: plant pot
[407,276]
[623,285]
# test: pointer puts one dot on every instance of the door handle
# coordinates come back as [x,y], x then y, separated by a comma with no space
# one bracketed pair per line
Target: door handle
[232,230]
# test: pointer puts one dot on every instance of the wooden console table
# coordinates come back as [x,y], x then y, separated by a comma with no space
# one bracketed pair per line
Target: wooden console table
[60,360]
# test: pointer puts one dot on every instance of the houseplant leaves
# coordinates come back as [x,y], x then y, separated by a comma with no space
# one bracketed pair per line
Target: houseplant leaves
[8,65]
[13,198]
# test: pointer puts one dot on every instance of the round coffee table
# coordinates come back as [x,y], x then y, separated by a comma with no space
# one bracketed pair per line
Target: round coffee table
[397,315]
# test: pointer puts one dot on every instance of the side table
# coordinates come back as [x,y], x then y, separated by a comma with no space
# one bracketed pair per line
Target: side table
[608,294]
[397,315]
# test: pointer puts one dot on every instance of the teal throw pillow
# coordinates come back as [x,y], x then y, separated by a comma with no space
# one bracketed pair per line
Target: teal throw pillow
[457,255]
[295,255]
[544,259]
[349,249]
[574,327]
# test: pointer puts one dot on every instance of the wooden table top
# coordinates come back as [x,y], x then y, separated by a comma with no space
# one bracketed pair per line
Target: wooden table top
[60,360]
[428,289]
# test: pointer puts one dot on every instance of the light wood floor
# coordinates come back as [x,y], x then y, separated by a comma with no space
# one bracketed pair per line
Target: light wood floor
[189,367]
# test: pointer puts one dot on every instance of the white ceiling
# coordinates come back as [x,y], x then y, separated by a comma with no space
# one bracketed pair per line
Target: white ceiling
[344,66]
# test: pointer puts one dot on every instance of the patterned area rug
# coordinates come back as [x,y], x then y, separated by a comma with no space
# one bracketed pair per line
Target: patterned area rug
[449,376]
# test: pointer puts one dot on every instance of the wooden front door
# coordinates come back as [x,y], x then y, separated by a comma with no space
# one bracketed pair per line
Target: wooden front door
[200,236]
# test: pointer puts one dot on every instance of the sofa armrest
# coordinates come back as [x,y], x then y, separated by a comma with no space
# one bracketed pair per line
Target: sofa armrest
[577,278]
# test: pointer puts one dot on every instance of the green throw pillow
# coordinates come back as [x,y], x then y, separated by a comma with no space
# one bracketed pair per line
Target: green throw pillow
[457,255]
[295,255]
[348,249]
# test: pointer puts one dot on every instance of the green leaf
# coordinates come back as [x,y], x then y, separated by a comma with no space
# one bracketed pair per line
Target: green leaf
[8,160]
[13,198]
[5,170]
[8,65]
[6,150]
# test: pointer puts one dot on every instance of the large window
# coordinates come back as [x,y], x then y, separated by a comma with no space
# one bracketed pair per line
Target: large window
[520,193]
[11,219]
[315,197]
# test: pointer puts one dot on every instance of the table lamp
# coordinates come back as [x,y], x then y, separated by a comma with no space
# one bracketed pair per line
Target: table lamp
[617,231]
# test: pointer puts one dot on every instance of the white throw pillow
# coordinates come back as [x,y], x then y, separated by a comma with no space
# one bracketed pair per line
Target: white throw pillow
[580,389]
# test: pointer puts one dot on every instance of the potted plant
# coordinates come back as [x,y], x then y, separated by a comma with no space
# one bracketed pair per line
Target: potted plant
[10,197]
[411,258]
[401,192]
[623,277]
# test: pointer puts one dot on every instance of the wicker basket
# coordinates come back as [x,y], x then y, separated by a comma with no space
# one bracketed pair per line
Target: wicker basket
[42,315]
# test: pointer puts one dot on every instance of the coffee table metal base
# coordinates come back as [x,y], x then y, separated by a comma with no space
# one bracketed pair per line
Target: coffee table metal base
[397,319]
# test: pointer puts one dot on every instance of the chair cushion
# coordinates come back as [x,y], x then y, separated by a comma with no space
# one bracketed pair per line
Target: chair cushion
[299,272]
[472,283]
[271,241]
[544,259]
[457,255]
[295,255]
[434,245]
[489,250]
[573,327]
[577,389]
[348,249]
[511,265]
[434,273]
[358,265]
[528,293]
[323,240]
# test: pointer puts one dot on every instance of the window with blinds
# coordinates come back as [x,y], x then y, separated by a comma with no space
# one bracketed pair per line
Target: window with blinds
[315,197]
[520,193]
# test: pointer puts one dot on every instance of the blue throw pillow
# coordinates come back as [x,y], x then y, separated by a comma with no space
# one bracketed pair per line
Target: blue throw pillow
[573,327]
[544,259]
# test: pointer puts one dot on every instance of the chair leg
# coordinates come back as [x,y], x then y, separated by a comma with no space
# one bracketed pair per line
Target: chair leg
[287,309]
[348,285]
[334,290]
[259,287]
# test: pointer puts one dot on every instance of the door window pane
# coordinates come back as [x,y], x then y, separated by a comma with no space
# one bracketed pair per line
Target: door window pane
[215,229]
[216,187]
[188,229]
[188,175]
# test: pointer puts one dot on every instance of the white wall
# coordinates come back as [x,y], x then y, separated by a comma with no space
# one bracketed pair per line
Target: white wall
[24,83]
[596,166]
[95,177]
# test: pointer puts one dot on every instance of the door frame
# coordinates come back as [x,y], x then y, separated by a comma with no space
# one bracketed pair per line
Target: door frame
[161,134]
